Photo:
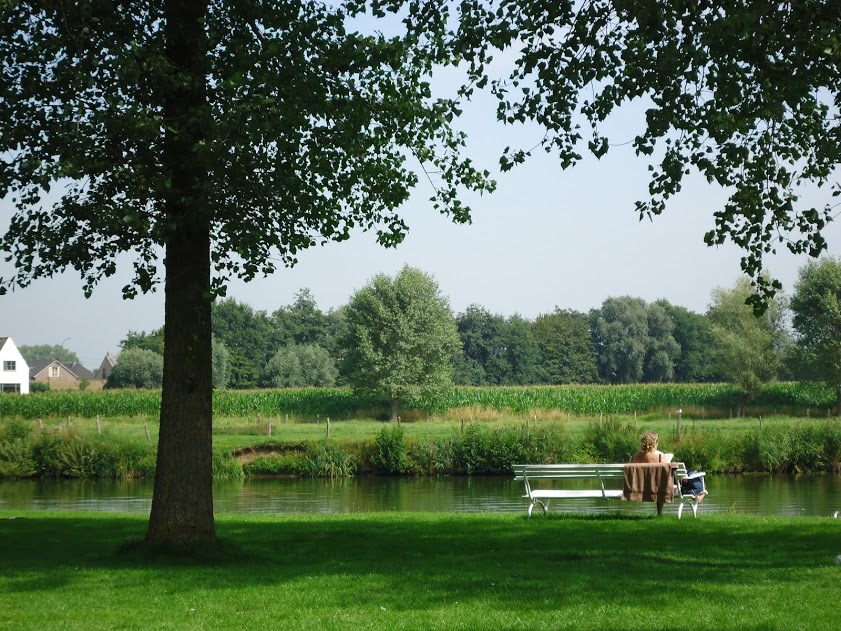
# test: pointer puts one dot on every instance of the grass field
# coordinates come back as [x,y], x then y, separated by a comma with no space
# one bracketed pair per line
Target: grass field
[233,431]
[425,571]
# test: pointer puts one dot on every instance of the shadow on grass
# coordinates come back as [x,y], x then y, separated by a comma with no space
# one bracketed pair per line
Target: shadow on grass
[408,561]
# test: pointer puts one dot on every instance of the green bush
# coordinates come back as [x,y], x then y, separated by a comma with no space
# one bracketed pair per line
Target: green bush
[611,441]
[275,465]
[328,461]
[767,450]
[226,467]
[390,455]
[68,455]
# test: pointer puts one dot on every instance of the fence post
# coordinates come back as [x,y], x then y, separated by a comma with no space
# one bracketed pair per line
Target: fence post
[269,428]
[98,428]
[148,435]
[328,426]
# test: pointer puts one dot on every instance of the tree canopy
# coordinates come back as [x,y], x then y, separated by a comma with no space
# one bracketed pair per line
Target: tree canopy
[49,352]
[746,346]
[399,338]
[816,318]
[137,368]
[300,365]
[212,139]
[744,93]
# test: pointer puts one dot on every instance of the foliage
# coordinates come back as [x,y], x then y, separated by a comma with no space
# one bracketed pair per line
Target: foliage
[342,403]
[302,322]
[301,365]
[566,353]
[68,454]
[137,368]
[611,441]
[226,467]
[221,363]
[221,138]
[390,451]
[48,352]
[248,336]
[496,350]
[633,341]
[328,461]
[692,333]
[746,345]
[152,341]
[16,449]
[399,338]
[743,93]
[816,310]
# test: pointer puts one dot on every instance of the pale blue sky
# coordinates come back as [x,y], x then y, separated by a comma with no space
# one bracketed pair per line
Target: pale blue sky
[545,238]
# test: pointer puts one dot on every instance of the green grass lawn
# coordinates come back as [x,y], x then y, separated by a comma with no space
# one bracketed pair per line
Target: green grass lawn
[421,571]
[234,432]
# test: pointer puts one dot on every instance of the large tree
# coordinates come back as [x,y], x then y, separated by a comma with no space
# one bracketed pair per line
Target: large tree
[495,350]
[816,318]
[211,139]
[300,365]
[692,333]
[744,93]
[302,322]
[565,347]
[137,368]
[747,347]
[399,338]
[633,341]
[248,335]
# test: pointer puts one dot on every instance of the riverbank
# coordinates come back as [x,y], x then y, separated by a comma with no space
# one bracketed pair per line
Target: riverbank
[422,571]
[124,448]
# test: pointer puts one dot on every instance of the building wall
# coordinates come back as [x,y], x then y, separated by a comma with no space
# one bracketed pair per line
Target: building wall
[19,376]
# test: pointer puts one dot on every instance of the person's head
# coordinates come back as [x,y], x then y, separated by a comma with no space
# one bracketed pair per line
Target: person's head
[649,442]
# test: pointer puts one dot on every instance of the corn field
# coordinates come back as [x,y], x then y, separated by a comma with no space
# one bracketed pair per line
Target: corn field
[341,403]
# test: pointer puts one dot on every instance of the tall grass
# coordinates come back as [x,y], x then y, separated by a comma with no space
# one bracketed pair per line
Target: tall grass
[341,403]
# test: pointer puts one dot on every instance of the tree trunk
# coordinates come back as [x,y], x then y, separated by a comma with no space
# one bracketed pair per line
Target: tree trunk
[395,408]
[838,402]
[182,504]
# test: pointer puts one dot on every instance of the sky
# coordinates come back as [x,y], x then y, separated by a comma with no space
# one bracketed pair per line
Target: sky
[545,238]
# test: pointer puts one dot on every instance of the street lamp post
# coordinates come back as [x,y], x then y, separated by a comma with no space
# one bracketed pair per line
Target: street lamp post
[66,339]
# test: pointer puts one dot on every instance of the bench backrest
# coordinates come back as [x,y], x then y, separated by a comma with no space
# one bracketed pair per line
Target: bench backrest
[561,471]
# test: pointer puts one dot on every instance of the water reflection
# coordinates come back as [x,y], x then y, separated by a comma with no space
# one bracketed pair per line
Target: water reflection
[754,494]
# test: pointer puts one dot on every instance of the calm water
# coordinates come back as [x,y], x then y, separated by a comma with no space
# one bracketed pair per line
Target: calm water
[756,494]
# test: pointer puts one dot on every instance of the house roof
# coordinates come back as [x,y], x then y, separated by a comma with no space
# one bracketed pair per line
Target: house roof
[3,342]
[38,366]
[110,358]
[75,369]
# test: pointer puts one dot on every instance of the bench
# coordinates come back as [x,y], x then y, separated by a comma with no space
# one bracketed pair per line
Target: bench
[598,473]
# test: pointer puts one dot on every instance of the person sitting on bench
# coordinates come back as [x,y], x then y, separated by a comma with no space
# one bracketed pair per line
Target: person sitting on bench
[650,454]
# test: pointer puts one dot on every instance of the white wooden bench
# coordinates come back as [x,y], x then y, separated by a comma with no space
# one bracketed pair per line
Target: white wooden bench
[598,473]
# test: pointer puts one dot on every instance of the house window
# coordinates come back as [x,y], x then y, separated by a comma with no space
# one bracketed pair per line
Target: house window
[9,365]
[9,387]
[54,372]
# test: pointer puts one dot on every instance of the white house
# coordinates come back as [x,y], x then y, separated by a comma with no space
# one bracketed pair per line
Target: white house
[14,372]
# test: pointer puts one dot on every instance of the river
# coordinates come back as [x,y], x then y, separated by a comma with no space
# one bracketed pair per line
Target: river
[746,494]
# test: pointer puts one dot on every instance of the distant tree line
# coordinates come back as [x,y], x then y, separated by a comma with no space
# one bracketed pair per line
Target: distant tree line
[625,340]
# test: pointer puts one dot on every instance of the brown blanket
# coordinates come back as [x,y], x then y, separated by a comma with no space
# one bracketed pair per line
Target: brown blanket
[648,482]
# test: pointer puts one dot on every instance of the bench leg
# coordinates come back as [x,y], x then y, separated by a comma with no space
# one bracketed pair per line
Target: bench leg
[680,510]
[542,505]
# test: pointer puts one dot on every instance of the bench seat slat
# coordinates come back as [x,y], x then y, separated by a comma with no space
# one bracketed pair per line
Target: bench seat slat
[574,494]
